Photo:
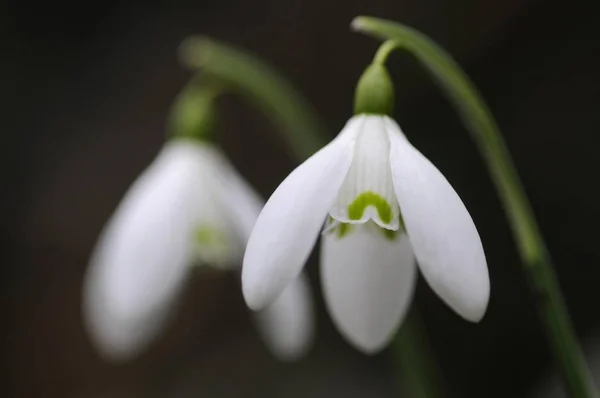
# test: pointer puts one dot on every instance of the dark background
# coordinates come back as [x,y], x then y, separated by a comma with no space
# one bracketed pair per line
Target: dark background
[85,90]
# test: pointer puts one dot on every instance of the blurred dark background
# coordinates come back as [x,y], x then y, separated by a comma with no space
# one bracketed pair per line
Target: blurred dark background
[85,90]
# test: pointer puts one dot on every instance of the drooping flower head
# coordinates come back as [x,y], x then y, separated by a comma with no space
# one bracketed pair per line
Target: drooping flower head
[189,207]
[381,207]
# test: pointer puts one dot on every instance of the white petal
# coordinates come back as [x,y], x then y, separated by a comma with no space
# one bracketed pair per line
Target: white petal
[238,205]
[287,325]
[368,281]
[241,202]
[440,229]
[141,260]
[368,192]
[216,240]
[289,224]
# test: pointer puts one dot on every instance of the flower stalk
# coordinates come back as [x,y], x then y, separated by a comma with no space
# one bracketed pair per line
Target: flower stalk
[193,112]
[263,87]
[415,359]
[479,121]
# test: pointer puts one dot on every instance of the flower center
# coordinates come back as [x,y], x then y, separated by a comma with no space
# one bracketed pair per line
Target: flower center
[342,230]
[357,208]
[367,193]
[213,246]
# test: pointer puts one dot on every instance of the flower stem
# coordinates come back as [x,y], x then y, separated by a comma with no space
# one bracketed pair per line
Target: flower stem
[192,114]
[415,359]
[262,85]
[384,52]
[304,132]
[532,249]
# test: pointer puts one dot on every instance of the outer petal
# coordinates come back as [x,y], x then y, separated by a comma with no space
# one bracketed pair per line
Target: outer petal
[241,203]
[143,253]
[289,224]
[368,281]
[441,231]
[287,325]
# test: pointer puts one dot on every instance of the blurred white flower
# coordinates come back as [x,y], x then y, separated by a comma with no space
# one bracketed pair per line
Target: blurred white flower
[384,201]
[189,206]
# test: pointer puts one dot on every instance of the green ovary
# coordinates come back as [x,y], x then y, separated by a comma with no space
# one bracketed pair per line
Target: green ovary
[357,208]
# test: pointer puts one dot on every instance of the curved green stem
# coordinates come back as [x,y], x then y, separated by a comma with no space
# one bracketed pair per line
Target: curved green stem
[192,114]
[532,249]
[384,52]
[263,86]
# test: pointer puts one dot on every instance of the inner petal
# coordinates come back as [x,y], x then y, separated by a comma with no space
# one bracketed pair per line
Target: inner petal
[212,238]
[368,191]
[342,230]
[215,246]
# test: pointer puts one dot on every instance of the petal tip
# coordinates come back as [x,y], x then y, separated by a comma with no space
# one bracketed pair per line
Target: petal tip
[254,299]
[478,313]
[476,309]
[294,346]
[474,316]
[257,295]
[287,326]
[367,344]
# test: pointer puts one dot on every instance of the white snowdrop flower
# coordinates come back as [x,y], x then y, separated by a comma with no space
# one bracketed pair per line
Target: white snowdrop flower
[386,206]
[190,206]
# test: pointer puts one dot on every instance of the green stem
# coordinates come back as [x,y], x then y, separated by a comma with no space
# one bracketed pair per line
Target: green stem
[192,114]
[415,360]
[266,88]
[263,86]
[532,249]
[384,52]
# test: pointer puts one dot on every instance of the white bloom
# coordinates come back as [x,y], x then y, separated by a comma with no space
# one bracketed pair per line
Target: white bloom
[189,206]
[384,201]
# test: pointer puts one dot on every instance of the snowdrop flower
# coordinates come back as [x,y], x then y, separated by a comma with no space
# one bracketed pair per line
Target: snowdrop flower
[386,207]
[190,206]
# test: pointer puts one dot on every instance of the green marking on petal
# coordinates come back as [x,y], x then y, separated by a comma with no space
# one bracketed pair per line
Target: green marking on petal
[357,208]
[212,246]
[344,229]
[210,237]
[389,234]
